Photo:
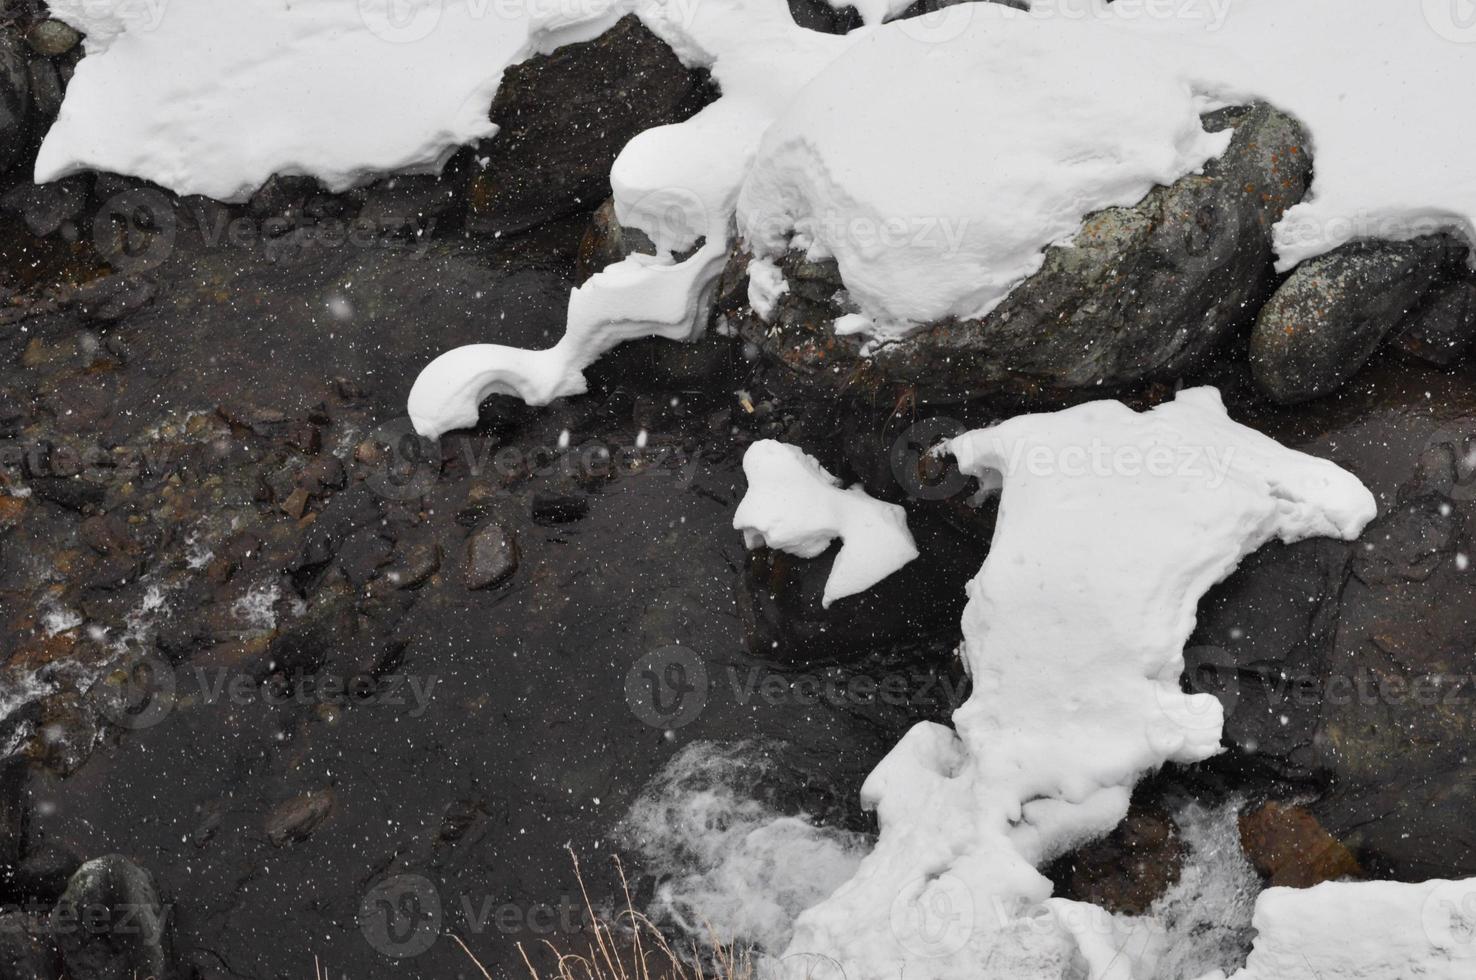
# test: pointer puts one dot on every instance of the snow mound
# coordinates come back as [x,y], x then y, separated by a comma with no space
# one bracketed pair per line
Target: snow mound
[1002,130]
[1073,636]
[213,97]
[1366,930]
[794,505]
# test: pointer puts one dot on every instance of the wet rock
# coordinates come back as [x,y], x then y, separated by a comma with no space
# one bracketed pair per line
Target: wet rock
[1442,329]
[52,37]
[1332,313]
[1291,849]
[106,534]
[45,208]
[362,555]
[15,98]
[13,813]
[491,556]
[111,924]
[46,89]
[322,474]
[607,242]
[1141,293]
[414,565]
[554,508]
[1129,869]
[114,297]
[23,954]
[1348,666]
[296,819]
[73,493]
[44,872]
[565,116]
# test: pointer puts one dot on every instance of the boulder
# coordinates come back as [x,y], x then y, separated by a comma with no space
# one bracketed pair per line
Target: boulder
[1141,293]
[1290,849]
[564,117]
[110,923]
[1350,668]
[1443,327]
[1332,313]
[23,955]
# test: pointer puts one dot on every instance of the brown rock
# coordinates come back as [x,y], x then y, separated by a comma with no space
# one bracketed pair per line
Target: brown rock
[297,818]
[491,556]
[1290,848]
[1126,871]
[296,503]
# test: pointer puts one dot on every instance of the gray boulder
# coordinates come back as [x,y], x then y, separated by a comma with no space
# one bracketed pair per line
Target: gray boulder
[1142,293]
[110,923]
[1333,311]
[1442,329]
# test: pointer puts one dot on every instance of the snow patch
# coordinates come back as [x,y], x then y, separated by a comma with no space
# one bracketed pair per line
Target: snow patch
[1073,636]
[794,505]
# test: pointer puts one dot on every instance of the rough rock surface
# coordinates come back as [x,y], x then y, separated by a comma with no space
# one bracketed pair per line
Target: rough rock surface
[1332,313]
[1442,329]
[1350,669]
[1291,849]
[565,116]
[114,891]
[1142,293]
[15,98]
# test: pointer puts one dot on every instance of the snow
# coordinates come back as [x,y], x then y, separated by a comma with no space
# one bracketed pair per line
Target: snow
[794,505]
[1073,636]
[213,97]
[1003,129]
[1367,930]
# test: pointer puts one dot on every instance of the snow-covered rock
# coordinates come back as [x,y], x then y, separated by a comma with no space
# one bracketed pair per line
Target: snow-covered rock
[794,505]
[1368,930]
[1112,524]
[213,97]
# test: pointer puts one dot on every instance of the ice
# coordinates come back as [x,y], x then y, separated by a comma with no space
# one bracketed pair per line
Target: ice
[794,505]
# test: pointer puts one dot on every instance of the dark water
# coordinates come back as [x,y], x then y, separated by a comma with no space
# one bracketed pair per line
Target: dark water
[541,722]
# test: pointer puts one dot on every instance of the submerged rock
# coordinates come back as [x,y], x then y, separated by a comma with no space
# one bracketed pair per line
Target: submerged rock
[1141,293]
[1291,849]
[1332,313]
[491,556]
[565,116]
[110,923]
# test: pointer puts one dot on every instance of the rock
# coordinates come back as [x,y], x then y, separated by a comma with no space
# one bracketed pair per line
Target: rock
[491,556]
[23,956]
[71,492]
[46,89]
[45,208]
[607,242]
[414,565]
[15,99]
[1348,667]
[110,923]
[297,818]
[362,555]
[1291,849]
[1332,313]
[1442,329]
[1129,869]
[551,508]
[114,297]
[1142,293]
[52,37]
[565,116]
[14,773]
